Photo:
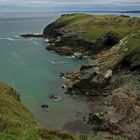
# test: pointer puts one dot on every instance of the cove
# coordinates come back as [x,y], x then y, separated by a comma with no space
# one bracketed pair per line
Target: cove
[33,71]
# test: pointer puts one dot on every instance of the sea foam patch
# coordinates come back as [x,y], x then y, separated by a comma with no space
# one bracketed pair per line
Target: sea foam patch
[7,38]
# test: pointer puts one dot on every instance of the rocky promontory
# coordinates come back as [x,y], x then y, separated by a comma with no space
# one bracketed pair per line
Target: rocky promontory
[88,34]
[113,77]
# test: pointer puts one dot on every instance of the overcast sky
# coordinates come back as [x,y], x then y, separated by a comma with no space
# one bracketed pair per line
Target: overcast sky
[64,5]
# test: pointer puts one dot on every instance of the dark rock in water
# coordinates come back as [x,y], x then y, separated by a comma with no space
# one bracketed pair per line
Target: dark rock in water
[45,107]
[62,74]
[32,35]
[78,127]
[63,86]
[51,96]
[55,98]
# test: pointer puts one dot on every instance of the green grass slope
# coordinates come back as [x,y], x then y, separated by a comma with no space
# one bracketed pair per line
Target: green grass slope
[16,123]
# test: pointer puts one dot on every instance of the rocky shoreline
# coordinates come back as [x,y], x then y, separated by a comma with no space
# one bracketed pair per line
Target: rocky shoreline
[68,44]
[112,78]
[115,78]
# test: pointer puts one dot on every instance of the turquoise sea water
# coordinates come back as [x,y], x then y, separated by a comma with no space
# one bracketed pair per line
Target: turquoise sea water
[33,71]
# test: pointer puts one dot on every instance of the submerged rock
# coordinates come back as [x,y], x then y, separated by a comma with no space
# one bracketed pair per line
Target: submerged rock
[55,97]
[63,87]
[45,107]
[32,35]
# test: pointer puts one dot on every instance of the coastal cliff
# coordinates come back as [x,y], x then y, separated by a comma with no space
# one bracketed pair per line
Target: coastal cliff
[112,79]
[88,34]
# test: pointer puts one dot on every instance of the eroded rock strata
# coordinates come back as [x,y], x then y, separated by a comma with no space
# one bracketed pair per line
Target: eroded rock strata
[88,34]
[114,75]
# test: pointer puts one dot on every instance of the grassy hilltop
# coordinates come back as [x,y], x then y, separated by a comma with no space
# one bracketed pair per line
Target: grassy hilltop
[91,27]
[89,34]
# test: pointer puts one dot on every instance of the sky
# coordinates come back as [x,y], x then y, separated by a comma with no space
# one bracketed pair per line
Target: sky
[67,5]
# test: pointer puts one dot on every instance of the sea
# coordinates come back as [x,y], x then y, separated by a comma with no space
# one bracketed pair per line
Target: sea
[33,71]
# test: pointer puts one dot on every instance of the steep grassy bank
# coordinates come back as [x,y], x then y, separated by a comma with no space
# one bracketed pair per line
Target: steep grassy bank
[88,34]
[15,121]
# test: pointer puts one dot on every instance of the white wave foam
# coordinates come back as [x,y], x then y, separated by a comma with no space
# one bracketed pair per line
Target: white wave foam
[46,40]
[8,38]
[52,62]
[61,62]
[11,39]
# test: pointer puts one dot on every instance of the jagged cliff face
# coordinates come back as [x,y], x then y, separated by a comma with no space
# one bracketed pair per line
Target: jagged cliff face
[88,34]
[113,78]
[99,71]
[114,75]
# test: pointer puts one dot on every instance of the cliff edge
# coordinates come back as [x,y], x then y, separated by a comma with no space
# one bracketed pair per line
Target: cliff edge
[88,34]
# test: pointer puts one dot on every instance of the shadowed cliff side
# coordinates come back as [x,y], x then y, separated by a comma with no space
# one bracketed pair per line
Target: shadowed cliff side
[88,34]
[115,76]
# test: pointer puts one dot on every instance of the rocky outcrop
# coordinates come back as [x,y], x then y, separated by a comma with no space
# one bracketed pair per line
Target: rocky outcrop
[97,74]
[115,76]
[66,44]
[112,80]
[32,35]
[87,34]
